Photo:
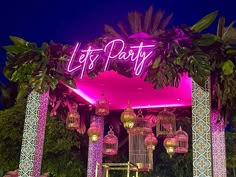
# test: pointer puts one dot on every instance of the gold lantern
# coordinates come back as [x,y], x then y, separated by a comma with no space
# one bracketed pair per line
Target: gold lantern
[150,141]
[72,120]
[110,143]
[94,132]
[128,117]
[102,106]
[170,145]
[166,122]
[182,141]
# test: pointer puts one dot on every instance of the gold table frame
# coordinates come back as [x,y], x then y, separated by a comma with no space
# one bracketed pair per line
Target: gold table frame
[117,166]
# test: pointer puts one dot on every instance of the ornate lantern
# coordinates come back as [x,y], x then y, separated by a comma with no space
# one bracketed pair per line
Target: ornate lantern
[110,143]
[94,132]
[182,141]
[128,117]
[150,141]
[102,106]
[170,145]
[73,117]
[138,152]
[165,122]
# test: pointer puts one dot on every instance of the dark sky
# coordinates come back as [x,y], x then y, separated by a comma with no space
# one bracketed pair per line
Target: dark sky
[68,21]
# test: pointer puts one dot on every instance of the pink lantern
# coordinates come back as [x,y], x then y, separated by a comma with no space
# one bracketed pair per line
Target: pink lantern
[150,141]
[182,141]
[102,106]
[110,143]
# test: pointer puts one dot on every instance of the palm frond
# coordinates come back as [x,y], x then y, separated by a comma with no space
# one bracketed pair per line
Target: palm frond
[123,29]
[148,20]
[110,30]
[135,21]
[157,20]
[166,21]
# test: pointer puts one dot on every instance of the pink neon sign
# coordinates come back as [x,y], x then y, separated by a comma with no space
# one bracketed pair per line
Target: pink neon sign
[85,59]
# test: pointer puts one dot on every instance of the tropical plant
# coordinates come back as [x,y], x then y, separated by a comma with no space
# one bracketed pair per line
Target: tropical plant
[230,153]
[61,148]
[36,68]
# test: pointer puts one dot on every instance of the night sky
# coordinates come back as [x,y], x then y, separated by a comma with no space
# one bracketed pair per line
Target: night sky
[68,21]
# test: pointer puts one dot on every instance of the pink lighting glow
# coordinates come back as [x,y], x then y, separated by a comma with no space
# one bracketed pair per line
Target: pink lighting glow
[85,60]
[119,89]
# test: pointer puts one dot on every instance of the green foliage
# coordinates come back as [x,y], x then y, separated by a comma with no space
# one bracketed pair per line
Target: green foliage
[11,128]
[231,153]
[37,68]
[61,149]
[205,22]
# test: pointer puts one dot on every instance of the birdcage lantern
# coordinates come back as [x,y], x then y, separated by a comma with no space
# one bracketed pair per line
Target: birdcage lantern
[138,152]
[166,121]
[181,141]
[94,132]
[102,106]
[128,117]
[110,143]
[73,117]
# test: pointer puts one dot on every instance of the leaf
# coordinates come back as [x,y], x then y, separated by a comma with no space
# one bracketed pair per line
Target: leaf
[220,26]
[156,63]
[207,40]
[157,19]
[17,40]
[148,19]
[204,22]
[230,34]
[231,51]
[135,21]
[228,67]
[123,28]
[110,30]
[166,21]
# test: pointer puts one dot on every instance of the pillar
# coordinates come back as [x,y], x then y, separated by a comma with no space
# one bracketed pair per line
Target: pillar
[95,151]
[218,145]
[33,135]
[201,130]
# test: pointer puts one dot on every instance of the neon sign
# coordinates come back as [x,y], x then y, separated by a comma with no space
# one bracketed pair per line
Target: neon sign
[85,59]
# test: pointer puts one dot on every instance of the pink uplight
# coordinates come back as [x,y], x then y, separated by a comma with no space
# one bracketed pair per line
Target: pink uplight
[119,89]
[159,106]
[84,96]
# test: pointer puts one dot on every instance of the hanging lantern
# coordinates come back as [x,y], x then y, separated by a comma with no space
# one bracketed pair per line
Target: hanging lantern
[73,117]
[102,106]
[72,120]
[182,141]
[138,152]
[94,132]
[150,141]
[128,117]
[110,143]
[170,145]
[165,122]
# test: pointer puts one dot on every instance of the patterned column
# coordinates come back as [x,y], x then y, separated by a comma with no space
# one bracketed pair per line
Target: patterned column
[201,130]
[33,135]
[95,151]
[218,146]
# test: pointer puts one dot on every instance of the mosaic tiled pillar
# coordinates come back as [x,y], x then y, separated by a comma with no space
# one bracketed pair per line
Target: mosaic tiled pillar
[218,146]
[33,135]
[95,151]
[201,130]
